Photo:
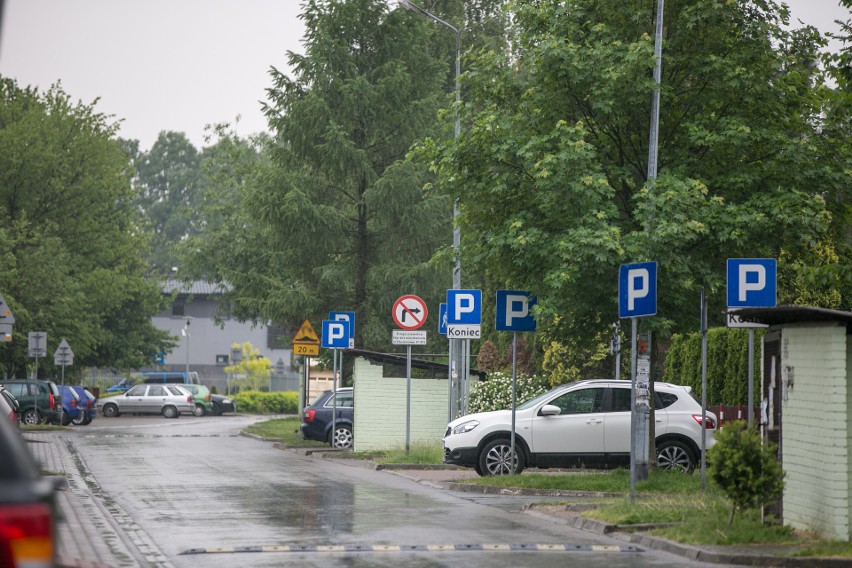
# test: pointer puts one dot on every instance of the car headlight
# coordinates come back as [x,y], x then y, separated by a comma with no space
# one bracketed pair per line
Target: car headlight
[465,427]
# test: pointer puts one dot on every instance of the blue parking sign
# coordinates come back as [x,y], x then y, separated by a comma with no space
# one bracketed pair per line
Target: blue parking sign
[348,318]
[464,307]
[514,311]
[335,334]
[637,290]
[752,282]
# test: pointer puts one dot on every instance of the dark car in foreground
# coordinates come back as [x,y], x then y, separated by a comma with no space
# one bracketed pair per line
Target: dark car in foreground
[317,419]
[9,406]
[27,505]
[39,400]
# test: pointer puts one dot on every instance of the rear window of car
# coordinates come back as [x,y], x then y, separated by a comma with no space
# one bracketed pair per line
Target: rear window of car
[665,399]
[176,391]
[344,400]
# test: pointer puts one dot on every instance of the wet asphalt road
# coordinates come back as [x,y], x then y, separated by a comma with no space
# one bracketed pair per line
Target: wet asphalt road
[193,492]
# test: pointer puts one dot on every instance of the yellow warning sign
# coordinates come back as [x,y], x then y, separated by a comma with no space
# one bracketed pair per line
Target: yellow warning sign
[306,334]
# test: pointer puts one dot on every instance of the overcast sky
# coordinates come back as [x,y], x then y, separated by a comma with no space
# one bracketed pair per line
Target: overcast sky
[179,64]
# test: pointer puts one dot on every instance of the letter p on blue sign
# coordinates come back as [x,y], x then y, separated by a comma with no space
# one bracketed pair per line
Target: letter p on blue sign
[752,282]
[637,290]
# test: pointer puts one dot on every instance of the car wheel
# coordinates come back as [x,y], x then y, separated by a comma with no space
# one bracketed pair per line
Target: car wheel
[79,420]
[87,421]
[674,455]
[110,410]
[215,411]
[30,418]
[342,437]
[66,419]
[199,410]
[170,412]
[496,458]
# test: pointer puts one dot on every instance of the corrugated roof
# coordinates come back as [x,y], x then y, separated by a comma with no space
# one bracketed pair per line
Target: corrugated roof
[196,288]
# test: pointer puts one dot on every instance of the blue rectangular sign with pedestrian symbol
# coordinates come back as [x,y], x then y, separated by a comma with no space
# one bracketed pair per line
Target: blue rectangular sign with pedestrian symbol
[442,318]
[637,290]
[514,311]
[752,282]
[335,334]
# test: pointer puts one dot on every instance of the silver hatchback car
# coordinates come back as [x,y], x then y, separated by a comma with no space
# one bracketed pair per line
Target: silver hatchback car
[169,400]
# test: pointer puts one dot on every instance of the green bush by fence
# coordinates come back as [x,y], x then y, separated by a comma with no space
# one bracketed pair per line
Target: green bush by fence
[727,363]
[256,402]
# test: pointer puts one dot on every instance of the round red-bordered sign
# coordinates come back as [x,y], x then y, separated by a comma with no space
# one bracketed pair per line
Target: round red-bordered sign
[409,312]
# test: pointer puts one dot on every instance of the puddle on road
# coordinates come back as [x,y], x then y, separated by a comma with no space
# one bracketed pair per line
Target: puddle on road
[328,507]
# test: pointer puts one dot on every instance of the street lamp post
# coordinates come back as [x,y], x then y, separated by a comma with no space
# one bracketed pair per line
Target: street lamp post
[455,345]
[185,333]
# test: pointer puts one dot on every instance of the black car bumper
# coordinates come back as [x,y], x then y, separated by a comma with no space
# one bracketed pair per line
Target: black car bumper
[467,457]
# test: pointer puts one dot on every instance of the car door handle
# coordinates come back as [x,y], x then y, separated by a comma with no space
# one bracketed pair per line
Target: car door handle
[594,421]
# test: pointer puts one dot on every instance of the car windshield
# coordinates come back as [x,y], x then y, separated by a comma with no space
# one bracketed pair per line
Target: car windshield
[534,401]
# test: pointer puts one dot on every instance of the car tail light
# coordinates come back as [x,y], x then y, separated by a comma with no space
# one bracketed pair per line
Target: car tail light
[189,400]
[207,398]
[50,401]
[28,533]
[309,415]
[711,424]
[73,403]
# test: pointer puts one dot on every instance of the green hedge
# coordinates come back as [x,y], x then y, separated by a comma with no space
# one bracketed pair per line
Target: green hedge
[727,363]
[256,402]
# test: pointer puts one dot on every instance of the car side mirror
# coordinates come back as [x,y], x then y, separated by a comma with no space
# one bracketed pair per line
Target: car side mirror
[549,410]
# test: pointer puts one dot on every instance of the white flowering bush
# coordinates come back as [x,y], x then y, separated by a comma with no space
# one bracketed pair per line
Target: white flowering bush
[495,393]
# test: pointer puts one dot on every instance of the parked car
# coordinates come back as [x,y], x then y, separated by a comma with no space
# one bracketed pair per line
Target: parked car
[317,419]
[39,400]
[27,505]
[8,408]
[14,410]
[169,400]
[201,397]
[90,409]
[222,404]
[122,386]
[72,404]
[173,377]
[582,424]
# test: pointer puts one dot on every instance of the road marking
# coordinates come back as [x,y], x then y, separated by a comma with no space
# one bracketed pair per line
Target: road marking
[161,436]
[348,548]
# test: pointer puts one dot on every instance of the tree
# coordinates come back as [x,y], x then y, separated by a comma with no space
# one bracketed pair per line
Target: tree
[167,195]
[253,370]
[71,253]
[551,166]
[748,472]
[333,215]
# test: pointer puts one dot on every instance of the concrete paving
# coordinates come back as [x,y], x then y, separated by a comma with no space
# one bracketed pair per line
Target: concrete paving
[88,537]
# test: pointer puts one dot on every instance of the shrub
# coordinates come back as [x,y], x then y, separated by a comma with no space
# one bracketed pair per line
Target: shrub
[256,402]
[495,393]
[747,471]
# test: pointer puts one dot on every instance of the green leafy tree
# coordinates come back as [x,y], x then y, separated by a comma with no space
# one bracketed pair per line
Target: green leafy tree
[253,370]
[71,250]
[332,216]
[551,167]
[747,471]
[166,182]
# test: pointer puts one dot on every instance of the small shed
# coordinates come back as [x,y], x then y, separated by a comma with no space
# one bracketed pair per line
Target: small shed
[806,409]
[380,400]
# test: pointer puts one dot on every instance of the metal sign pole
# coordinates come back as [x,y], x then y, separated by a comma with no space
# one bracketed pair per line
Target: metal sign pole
[703,388]
[514,392]
[634,445]
[450,390]
[750,377]
[334,400]
[408,399]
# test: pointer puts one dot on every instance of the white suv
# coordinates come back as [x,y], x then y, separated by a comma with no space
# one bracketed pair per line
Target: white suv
[582,424]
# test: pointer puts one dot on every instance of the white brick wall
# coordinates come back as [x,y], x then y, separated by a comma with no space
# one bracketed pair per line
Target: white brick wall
[816,431]
[380,408]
